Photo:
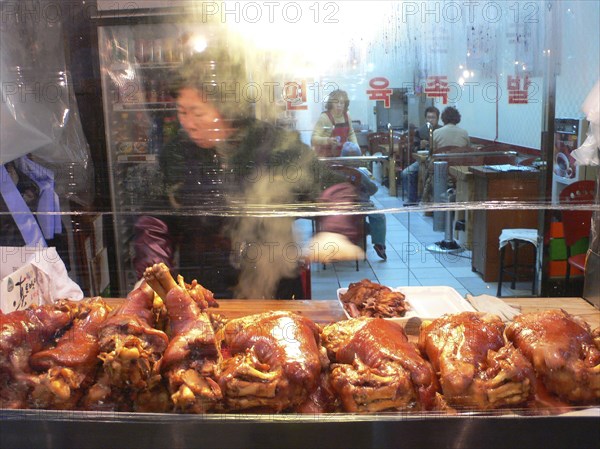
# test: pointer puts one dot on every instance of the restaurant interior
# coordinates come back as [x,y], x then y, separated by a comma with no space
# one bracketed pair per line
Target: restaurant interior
[518,75]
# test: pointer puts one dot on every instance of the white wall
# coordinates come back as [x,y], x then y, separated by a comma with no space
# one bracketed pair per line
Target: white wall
[406,53]
[439,39]
[580,55]
[483,101]
[408,41]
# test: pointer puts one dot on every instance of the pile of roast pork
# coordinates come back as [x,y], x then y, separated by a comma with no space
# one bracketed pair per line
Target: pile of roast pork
[162,350]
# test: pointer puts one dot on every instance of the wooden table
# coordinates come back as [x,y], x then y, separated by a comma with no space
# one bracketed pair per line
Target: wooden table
[320,311]
[325,311]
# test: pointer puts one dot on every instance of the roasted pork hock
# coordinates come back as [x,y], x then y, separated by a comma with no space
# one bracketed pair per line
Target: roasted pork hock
[376,368]
[69,367]
[24,332]
[130,347]
[189,360]
[271,361]
[563,351]
[476,367]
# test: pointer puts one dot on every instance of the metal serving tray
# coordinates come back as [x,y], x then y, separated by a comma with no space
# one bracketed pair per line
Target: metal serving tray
[82,430]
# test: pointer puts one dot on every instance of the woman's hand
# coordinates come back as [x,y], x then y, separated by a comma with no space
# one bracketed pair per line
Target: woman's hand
[333,141]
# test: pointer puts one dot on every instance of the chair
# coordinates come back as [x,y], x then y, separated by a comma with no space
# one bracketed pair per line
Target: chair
[400,151]
[516,238]
[376,139]
[353,176]
[361,240]
[576,222]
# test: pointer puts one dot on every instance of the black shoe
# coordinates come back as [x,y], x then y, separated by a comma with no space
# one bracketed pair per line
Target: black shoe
[380,250]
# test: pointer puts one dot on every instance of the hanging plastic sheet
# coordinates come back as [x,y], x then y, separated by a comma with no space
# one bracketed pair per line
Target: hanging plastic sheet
[21,213]
[45,161]
[48,204]
[38,110]
[587,153]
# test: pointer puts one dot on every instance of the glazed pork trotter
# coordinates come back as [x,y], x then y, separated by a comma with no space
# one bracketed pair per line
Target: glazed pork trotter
[22,333]
[376,368]
[130,345]
[271,361]
[189,360]
[563,351]
[477,369]
[70,366]
[130,348]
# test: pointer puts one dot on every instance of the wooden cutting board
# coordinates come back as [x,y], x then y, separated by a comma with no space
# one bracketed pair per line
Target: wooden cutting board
[328,311]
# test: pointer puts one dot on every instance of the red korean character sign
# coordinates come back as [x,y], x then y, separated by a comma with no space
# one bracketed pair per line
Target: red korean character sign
[518,88]
[379,90]
[437,87]
[295,96]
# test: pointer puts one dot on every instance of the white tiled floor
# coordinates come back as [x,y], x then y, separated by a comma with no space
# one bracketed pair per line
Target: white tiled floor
[408,263]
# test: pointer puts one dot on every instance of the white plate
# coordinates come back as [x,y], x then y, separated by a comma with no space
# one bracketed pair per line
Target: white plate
[424,303]
[433,302]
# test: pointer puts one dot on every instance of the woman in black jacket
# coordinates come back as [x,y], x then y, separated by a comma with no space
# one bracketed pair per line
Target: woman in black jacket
[228,181]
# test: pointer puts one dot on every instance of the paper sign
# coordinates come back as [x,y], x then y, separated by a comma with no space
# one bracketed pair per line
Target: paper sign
[19,290]
[52,279]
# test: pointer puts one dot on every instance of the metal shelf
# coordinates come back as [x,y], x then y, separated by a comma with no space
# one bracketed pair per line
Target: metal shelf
[59,429]
[143,107]
[136,158]
[145,65]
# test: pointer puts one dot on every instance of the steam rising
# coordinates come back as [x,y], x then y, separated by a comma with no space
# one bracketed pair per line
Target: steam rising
[267,245]
[265,248]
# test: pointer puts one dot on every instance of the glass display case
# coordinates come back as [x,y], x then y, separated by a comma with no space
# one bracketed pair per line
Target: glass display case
[208,125]
[287,83]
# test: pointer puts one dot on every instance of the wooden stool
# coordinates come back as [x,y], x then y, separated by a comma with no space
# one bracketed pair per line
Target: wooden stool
[517,238]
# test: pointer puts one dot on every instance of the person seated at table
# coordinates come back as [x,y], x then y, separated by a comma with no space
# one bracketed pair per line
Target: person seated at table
[421,138]
[421,142]
[334,126]
[450,134]
[367,188]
